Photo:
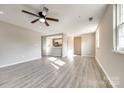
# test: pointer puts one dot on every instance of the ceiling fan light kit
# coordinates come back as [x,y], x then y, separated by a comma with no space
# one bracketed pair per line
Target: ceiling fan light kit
[42,20]
[42,16]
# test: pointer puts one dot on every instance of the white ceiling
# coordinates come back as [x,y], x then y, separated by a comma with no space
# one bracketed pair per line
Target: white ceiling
[73,18]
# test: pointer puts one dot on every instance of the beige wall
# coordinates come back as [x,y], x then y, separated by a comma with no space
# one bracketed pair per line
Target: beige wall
[88,45]
[112,63]
[18,44]
[77,45]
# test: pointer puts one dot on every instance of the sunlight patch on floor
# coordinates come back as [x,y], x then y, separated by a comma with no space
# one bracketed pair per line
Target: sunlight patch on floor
[57,67]
[57,63]
[52,58]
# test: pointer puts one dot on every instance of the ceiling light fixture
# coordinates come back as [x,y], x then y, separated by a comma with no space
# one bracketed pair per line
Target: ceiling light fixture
[42,20]
[90,18]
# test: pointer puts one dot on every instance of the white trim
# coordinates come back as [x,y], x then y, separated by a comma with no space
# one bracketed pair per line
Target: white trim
[117,51]
[87,55]
[115,27]
[111,82]
[98,38]
[19,62]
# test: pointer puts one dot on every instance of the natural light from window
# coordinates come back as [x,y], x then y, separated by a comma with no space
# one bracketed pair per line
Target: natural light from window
[97,39]
[55,62]
[120,27]
[55,66]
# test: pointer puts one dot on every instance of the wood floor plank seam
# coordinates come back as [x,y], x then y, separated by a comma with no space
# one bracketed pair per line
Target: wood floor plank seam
[77,72]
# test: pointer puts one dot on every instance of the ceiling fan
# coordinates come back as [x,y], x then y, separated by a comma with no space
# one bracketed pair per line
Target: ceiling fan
[42,16]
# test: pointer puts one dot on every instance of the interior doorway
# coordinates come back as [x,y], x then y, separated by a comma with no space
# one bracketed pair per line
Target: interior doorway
[77,45]
[52,45]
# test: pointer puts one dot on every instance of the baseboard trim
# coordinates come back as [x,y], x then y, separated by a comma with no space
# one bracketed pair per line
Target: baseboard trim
[20,62]
[105,75]
[87,56]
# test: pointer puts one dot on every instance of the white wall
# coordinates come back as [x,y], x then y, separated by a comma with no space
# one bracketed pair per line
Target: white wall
[18,44]
[70,46]
[88,45]
[113,63]
[44,46]
[64,48]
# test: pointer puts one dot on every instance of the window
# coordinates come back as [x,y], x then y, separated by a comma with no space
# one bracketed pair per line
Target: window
[97,39]
[119,27]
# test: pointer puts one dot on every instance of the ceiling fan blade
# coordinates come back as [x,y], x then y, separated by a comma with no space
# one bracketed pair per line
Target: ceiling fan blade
[30,13]
[34,20]
[52,19]
[46,23]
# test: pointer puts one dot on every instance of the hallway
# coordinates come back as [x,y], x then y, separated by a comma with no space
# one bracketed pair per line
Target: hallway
[76,72]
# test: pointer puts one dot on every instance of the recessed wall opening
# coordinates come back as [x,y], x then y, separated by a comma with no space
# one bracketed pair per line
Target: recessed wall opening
[52,45]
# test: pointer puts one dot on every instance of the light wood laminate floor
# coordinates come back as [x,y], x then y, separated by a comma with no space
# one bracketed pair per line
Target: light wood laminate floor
[52,72]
